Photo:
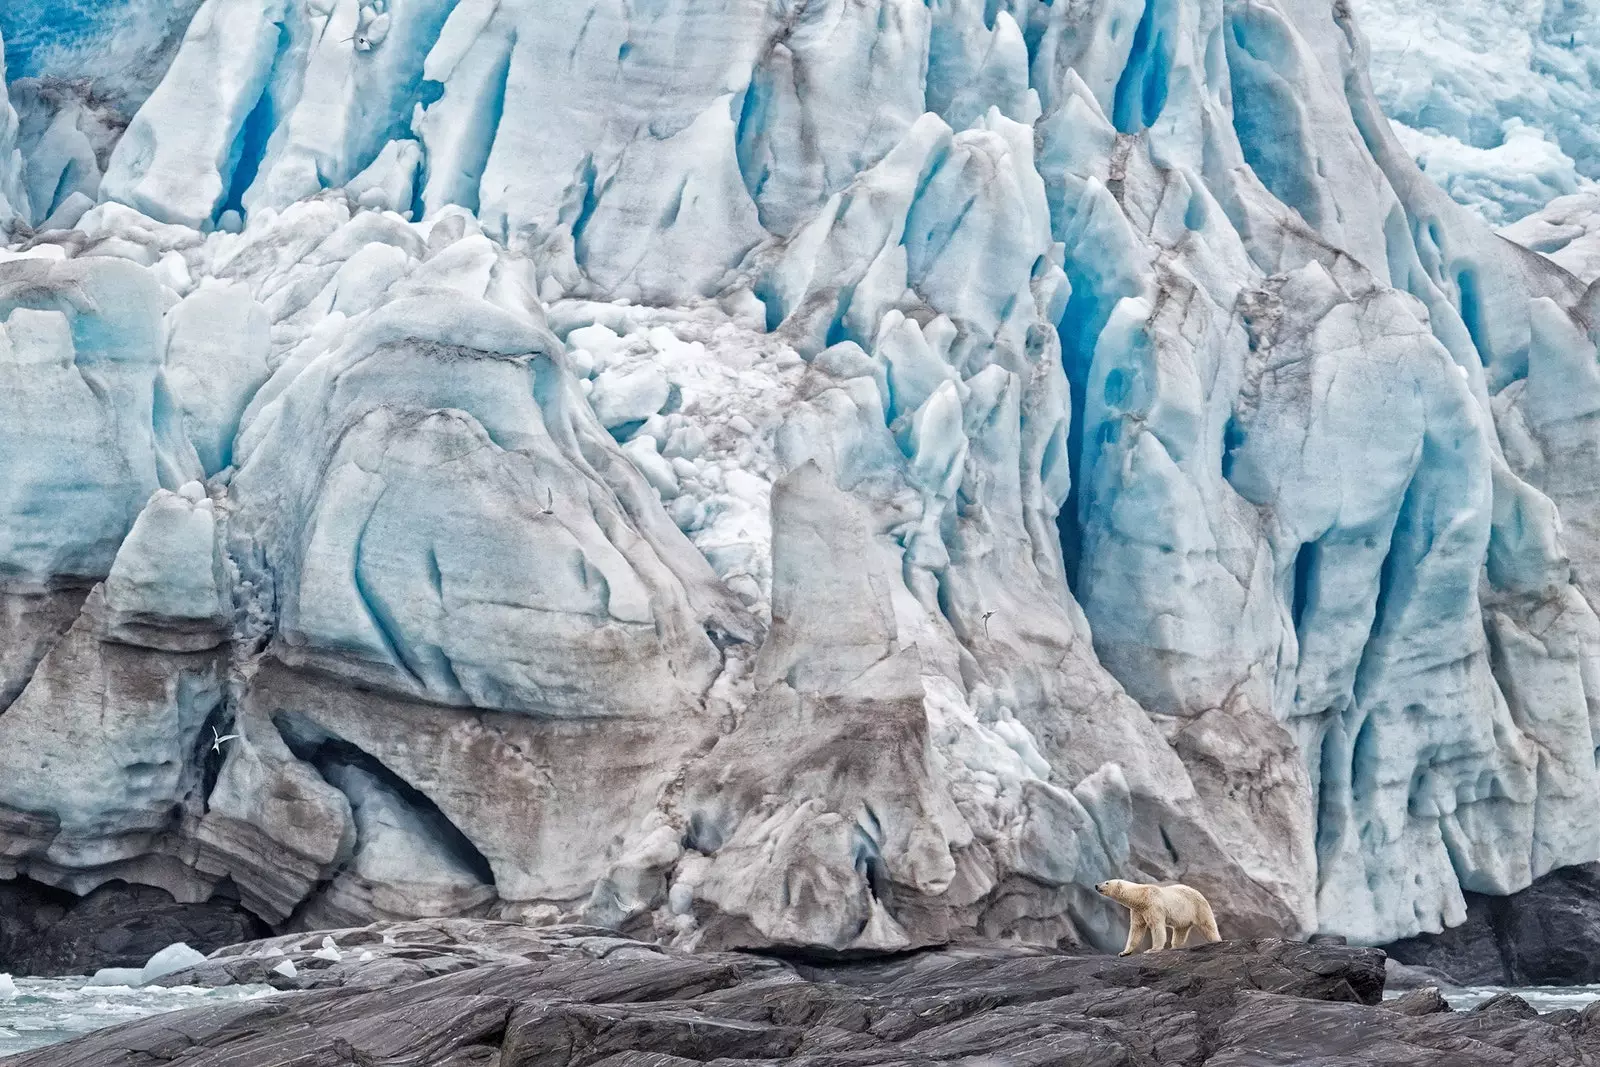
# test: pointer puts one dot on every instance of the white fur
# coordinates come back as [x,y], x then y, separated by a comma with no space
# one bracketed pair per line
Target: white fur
[1160,909]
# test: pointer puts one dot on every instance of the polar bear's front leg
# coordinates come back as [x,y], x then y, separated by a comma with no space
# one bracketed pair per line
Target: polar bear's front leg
[1136,930]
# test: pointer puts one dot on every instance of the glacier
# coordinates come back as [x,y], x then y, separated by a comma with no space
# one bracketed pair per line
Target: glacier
[1498,100]
[825,474]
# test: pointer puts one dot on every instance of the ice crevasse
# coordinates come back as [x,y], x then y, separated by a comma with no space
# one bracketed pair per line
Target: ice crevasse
[844,474]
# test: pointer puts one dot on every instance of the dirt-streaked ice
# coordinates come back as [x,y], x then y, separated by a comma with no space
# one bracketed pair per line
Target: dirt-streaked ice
[831,474]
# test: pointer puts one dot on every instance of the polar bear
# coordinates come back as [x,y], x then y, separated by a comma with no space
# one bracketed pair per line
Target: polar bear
[1158,908]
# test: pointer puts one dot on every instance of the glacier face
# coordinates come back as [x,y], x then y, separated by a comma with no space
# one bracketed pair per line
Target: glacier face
[829,473]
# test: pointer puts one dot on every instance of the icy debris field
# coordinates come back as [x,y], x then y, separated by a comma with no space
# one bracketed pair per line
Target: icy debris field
[1498,100]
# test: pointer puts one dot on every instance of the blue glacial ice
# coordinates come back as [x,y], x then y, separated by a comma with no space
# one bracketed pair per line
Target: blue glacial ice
[1499,102]
[830,474]
[124,46]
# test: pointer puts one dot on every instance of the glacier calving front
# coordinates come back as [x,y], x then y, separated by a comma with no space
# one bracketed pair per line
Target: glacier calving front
[823,473]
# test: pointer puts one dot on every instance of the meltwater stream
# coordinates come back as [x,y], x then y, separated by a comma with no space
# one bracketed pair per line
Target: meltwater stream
[42,1011]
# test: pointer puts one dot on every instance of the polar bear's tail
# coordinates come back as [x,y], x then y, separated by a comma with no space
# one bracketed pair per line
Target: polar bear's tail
[1206,921]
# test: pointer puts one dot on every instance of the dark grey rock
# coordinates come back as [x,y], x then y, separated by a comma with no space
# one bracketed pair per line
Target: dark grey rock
[1508,1004]
[1548,934]
[48,933]
[1425,1001]
[469,993]
[1399,975]
[1551,930]
[27,911]
[552,1033]
[1470,953]
[1272,1030]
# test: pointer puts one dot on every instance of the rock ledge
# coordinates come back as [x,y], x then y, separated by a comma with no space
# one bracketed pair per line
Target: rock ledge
[454,993]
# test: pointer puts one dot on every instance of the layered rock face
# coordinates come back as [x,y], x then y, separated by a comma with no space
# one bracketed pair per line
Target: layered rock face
[833,474]
[467,993]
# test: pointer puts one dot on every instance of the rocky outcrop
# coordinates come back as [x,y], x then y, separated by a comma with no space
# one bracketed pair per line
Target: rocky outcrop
[48,932]
[457,992]
[1548,934]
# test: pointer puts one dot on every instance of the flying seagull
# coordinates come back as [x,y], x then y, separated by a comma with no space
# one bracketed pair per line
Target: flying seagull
[217,739]
[986,622]
[549,502]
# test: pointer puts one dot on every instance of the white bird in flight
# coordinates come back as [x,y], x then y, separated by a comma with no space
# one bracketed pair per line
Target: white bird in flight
[217,739]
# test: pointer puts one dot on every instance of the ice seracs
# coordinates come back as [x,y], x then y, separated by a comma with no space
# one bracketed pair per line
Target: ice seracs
[1567,229]
[1497,102]
[14,203]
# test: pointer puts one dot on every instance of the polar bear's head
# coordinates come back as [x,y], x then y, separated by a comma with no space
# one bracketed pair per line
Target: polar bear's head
[1127,893]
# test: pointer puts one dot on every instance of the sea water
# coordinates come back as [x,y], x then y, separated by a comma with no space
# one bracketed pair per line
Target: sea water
[42,1011]
[1545,998]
